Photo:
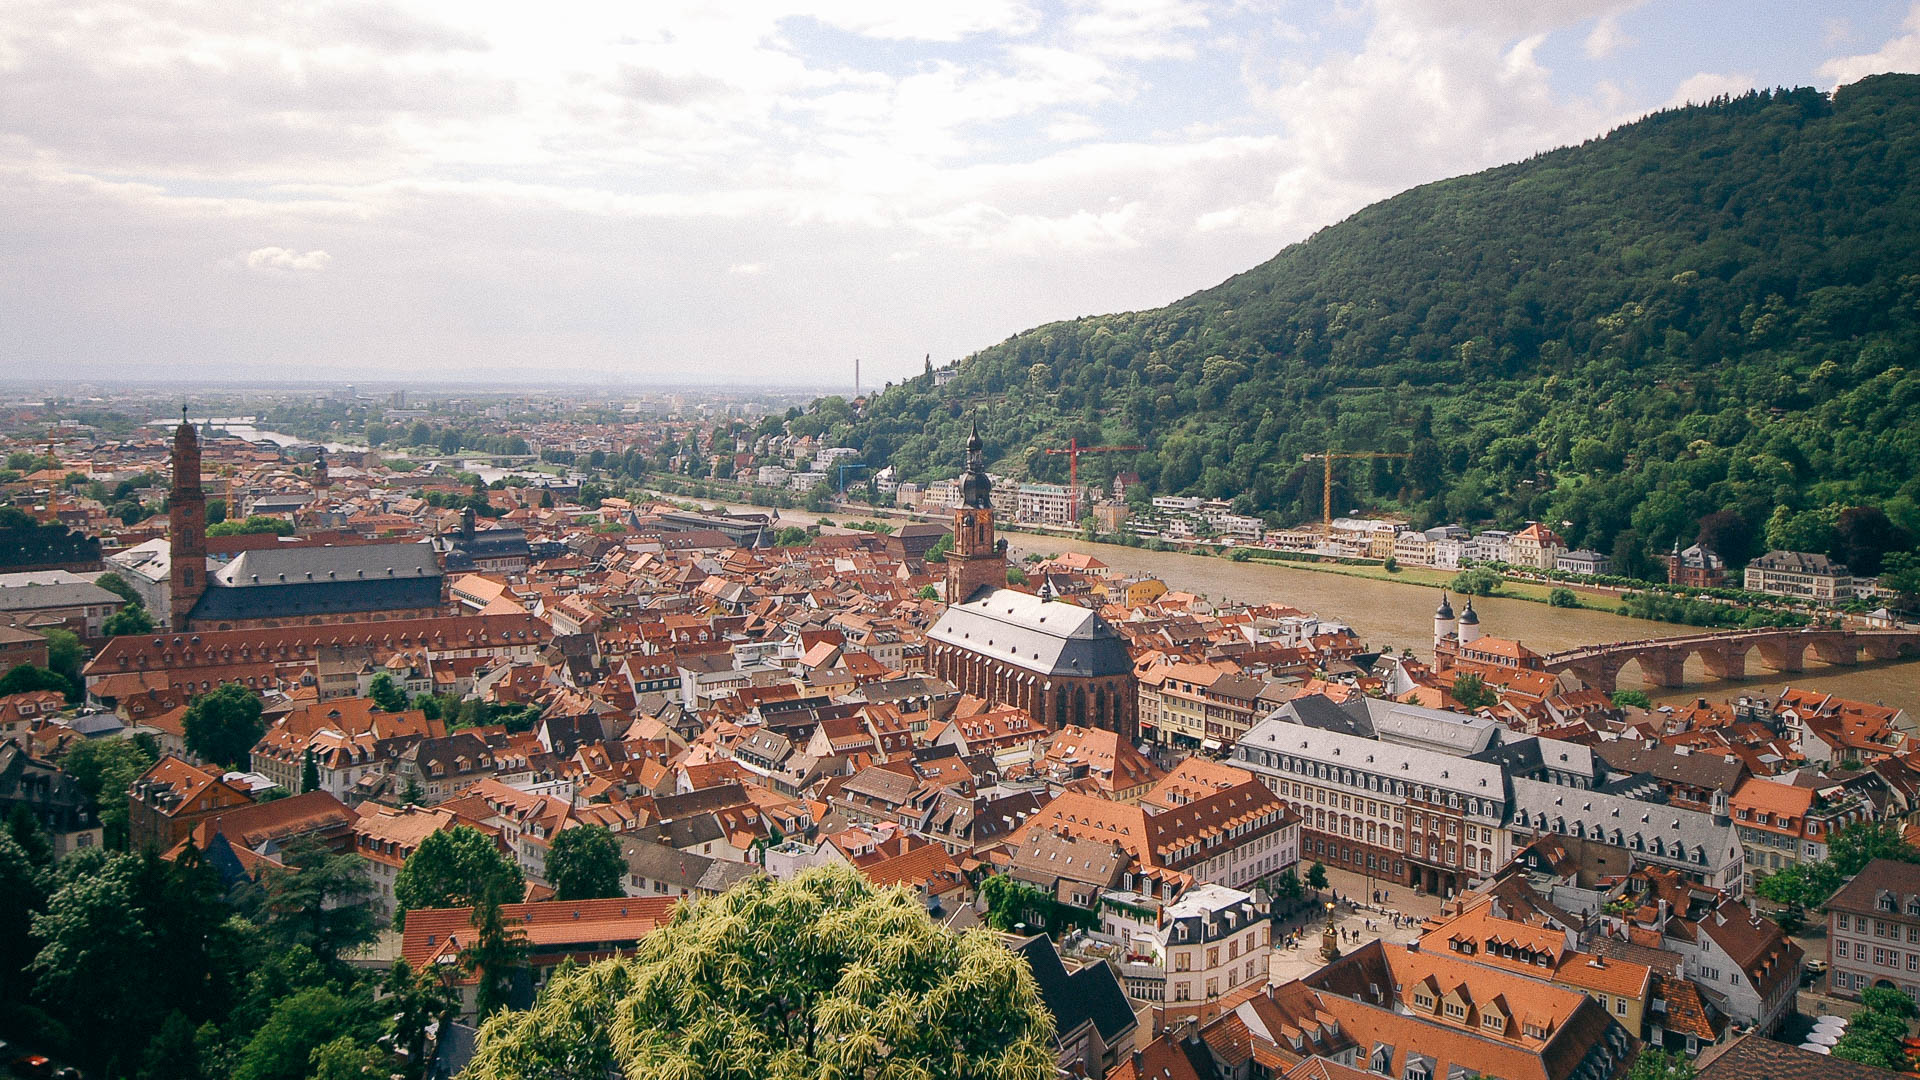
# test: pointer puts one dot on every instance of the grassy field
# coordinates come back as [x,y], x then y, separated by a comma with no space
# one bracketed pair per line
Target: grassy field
[1437,579]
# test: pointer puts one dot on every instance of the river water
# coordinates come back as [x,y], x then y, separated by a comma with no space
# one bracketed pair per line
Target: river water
[1386,613]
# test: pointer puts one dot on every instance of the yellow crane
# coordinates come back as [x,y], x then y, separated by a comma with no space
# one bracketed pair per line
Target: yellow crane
[1326,487]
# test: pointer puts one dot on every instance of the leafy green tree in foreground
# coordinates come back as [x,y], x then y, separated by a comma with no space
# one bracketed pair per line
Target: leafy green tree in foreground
[1317,876]
[222,726]
[461,867]
[584,863]
[821,976]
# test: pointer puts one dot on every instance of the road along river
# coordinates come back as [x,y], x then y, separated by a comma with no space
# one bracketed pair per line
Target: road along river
[1388,613]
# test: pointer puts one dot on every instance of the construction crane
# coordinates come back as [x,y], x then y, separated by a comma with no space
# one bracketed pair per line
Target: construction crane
[1073,450]
[1326,486]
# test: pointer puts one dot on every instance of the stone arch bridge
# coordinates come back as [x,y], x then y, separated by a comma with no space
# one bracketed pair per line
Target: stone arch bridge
[1663,661]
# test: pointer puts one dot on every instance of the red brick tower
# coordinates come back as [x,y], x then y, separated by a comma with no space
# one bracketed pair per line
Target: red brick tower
[186,524]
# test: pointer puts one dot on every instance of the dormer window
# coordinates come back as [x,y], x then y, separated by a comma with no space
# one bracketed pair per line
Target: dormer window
[1886,902]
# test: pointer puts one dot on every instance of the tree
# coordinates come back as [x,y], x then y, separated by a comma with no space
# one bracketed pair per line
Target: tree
[1661,1065]
[27,831]
[118,586]
[1876,1034]
[309,772]
[174,1053]
[387,694]
[1863,535]
[459,867]
[127,944]
[1562,597]
[128,620]
[584,863]
[64,653]
[1728,535]
[1287,886]
[497,955]
[318,900]
[223,725]
[1478,581]
[928,592]
[1637,699]
[252,525]
[823,975]
[938,552]
[1630,558]
[1317,876]
[1472,693]
[22,892]
[1016,576]
[347,1058]
[302,1023]
[1900,574]
[27,678]
[104,769]
[415,1002]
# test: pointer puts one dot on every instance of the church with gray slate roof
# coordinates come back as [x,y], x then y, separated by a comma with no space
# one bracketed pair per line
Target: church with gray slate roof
[1062,663]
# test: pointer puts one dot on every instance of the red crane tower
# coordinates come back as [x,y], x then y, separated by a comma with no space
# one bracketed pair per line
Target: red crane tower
[1073,450]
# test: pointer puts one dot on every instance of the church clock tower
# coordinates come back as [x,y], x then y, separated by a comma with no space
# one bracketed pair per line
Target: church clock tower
[976,561]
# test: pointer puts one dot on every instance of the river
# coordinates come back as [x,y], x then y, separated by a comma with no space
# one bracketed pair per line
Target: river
[1386,613]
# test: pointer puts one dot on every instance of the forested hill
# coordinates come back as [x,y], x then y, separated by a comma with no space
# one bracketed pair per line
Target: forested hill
[1711,309]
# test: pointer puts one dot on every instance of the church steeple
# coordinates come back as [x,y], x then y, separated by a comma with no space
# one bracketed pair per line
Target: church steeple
[976,561]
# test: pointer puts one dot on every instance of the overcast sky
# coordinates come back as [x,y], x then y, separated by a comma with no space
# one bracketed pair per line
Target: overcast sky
[757,191]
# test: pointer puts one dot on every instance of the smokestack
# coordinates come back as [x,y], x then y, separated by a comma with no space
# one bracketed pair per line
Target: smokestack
[856,376]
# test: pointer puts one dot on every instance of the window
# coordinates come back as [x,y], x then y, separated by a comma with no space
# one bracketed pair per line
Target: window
[1620,1007]
[1841,921]
[1840,949]
[1456,1011]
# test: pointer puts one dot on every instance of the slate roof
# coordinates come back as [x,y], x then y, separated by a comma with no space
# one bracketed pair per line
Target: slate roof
[1046,636]
[1092,993]
[58,594]
[296,581]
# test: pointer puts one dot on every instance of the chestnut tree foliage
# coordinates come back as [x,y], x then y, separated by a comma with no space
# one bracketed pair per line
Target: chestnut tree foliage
[821,976]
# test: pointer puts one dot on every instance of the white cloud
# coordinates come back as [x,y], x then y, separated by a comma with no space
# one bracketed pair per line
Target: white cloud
[926,176]
[279,259]
[1901,53]
[1703,87]
[1606,38]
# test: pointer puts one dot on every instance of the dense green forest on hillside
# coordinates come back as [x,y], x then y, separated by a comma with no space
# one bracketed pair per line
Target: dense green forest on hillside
[1711,310]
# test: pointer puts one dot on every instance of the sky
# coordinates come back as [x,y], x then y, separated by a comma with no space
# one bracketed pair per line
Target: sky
[757,191]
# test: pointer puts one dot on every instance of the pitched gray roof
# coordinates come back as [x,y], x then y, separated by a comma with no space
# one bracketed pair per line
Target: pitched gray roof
[258,567]
[1046,636]
[54,595]
[1668,835]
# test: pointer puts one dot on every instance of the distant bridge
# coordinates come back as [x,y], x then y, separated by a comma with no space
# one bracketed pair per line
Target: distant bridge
[1663,661]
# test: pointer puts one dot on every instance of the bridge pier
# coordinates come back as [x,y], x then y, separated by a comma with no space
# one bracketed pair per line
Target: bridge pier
[1728,662]
[1665,667]
[1886,648]
[1789,654]
[1601,673]
[1840,651]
